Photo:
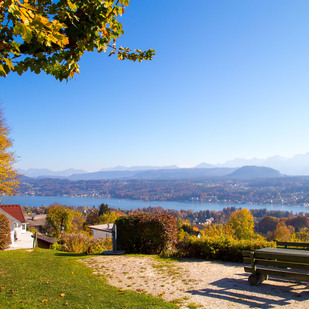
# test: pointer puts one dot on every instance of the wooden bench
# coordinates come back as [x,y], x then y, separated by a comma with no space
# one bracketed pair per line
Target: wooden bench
[298,245]
[278,262]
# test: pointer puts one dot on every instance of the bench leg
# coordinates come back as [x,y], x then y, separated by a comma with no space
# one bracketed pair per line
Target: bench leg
[257,279]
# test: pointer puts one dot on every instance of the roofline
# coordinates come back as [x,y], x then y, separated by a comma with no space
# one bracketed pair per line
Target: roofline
[5,206]
[9,216]
[101,230]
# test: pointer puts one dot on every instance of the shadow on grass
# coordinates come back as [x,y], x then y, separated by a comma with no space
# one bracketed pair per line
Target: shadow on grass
[170,258]
[71,254]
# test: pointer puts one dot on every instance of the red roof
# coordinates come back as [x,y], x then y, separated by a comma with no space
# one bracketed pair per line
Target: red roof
[14,211]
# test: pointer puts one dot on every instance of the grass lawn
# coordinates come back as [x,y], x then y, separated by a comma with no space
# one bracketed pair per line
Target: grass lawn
[53,279]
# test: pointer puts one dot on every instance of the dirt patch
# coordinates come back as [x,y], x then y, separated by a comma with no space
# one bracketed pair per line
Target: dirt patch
[204,284]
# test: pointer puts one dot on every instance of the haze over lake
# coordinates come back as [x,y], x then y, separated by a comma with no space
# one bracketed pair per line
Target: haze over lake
[37,201]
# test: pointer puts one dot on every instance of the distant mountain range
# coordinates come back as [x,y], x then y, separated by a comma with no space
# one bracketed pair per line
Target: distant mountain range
[246,172]
[36,172]
[297,165]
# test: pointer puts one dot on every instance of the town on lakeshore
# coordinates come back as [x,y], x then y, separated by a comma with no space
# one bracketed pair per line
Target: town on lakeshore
[249,184]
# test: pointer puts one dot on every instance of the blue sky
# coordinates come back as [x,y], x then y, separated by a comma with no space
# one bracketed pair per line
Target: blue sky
[229,79]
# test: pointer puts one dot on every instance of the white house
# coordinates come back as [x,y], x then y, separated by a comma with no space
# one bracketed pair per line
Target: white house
[18,223]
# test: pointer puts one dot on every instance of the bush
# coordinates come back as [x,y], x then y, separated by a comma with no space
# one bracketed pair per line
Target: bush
[81,243]
[225,248]
[76,243]
[97,246]
[149,233]
[5,232]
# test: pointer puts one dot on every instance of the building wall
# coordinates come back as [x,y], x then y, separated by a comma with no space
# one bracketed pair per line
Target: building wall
[12,227]
[16,230]
[100,234]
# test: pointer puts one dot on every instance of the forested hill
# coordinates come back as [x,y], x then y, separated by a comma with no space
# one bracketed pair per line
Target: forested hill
[249,172]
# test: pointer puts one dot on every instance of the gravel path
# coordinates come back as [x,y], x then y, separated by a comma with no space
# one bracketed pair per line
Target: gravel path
[198,284]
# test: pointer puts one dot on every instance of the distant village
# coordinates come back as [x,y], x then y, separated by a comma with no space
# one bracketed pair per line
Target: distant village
[283,190]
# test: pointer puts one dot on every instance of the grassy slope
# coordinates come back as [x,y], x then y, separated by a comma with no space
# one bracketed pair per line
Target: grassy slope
[28,278]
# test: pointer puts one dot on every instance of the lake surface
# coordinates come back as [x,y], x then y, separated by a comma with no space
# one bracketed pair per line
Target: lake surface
[37,201]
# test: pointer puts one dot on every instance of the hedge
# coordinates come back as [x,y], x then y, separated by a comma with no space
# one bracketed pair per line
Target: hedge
[148,233]
[224,248]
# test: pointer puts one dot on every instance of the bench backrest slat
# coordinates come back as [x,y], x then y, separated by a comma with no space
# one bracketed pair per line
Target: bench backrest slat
[292,244]
[297,258]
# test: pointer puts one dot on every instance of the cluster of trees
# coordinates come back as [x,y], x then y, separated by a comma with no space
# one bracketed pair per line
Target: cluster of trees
[155,230]
[243,224]
[62,219]
[285,229]
[279,225]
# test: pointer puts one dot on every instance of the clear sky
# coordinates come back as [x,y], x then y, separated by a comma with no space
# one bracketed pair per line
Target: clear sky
[229,79]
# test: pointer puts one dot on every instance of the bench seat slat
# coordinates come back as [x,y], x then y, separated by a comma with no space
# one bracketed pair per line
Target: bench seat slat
[279,273]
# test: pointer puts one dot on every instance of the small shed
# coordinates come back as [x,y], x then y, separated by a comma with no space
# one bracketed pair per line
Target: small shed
[43,241]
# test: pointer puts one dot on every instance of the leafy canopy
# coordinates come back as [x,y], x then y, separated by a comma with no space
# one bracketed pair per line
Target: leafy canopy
[242,223]
[59,217]
[51,36]
[8,175]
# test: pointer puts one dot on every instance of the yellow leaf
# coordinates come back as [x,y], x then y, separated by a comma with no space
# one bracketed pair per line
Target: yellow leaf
[65,41]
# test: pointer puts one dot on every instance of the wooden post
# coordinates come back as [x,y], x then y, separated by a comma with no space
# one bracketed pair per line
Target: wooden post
[114,233]
[253,262]
[35,240]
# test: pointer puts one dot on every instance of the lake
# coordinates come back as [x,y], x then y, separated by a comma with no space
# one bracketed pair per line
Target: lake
[37,201]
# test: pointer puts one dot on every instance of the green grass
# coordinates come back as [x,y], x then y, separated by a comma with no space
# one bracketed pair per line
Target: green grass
[36,279]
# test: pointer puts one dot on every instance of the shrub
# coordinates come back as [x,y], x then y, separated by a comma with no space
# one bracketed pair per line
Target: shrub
[225,248]
[76,243]
[149,233]
[301,236]
[81,243]
[5,232]
[56,246]
[97,246]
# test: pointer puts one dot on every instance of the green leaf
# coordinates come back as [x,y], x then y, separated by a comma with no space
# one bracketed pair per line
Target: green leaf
[9,63]
[24,31]
[2,71]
